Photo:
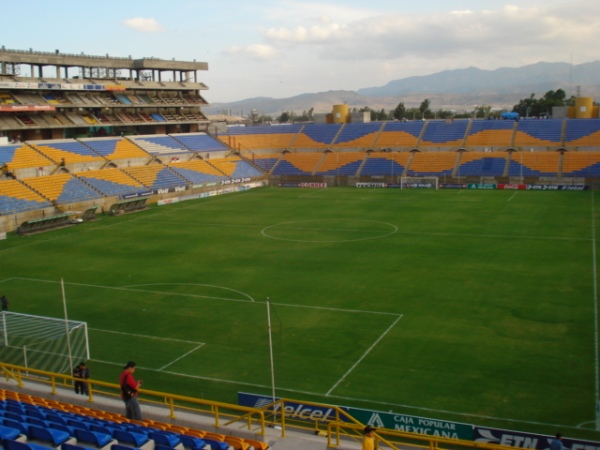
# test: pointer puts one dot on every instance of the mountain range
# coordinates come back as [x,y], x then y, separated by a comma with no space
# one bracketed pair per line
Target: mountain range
[458,90]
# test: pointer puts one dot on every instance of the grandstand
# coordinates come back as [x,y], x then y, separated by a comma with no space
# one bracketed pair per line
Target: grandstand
[101,170]
[100,100]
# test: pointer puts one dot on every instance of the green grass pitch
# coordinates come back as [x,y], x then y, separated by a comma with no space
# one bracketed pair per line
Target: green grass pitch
[473,306]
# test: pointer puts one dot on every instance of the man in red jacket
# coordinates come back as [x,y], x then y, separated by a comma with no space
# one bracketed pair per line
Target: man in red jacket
[129,391]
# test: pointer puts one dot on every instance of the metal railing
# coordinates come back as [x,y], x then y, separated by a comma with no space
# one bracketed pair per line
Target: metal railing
[253,417]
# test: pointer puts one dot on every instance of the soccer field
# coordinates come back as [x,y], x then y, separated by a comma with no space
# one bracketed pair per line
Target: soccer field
[465,305]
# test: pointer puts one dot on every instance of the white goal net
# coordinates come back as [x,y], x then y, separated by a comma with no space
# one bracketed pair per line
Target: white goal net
[42,343]
[419,183]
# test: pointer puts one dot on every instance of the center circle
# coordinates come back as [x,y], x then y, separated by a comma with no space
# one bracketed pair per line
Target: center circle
[329,230]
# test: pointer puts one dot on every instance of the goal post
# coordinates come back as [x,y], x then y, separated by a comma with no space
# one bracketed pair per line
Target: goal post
[42,343]
[419,183]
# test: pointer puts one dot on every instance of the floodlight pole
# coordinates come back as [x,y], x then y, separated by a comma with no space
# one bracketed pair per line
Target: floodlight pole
[62,284]
[271,348]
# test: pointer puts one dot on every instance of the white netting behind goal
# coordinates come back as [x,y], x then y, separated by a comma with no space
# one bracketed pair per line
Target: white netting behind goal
[41,342]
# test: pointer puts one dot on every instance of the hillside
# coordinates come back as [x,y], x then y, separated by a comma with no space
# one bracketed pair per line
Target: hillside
[458,90]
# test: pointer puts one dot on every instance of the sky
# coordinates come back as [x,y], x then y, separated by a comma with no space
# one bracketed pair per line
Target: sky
[279,49]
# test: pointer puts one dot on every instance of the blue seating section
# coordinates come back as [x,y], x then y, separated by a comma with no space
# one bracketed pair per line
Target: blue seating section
[266,164]
[381,166]
[243,169]
[484,125]
[484,167]
[413,128]
[75,191]
[323,133]
[123,99]
[165,178]
[7,153]
[347,169]
[442,132]
[354,131]
[265,129]
[104,147]
[43,428]
[287,168]
[158,117]
[548,130]
[577,129]
[110,188]
[196,177]
[200,142]
[71,147]
[11,205]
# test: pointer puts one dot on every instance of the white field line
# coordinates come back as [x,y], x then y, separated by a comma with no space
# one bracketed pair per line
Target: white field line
[512,196]
[157,338]
[363,356]
[297,391]
[181,357]
[145,291]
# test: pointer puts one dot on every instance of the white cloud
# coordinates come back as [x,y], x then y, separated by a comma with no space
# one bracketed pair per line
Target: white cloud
[257,52]
[143,24]
[512,32]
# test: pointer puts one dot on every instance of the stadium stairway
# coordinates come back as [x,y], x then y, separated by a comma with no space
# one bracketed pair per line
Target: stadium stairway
[293,440]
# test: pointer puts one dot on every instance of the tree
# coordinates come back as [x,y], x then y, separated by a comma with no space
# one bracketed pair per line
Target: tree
[482,111]
[539,107]
[284,117]
[399,112]
[424,109]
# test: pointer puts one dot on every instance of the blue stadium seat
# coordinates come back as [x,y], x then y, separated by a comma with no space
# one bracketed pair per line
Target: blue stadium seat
[48,435]
[191,442]
[95,438]
[17,445]
[18,424]
[130,438]
[8,433]
[165,439]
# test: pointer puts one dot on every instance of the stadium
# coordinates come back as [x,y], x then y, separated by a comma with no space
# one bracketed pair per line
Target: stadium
[407,275]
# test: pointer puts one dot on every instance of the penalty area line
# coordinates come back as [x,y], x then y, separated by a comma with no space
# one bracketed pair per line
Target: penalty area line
[363,356]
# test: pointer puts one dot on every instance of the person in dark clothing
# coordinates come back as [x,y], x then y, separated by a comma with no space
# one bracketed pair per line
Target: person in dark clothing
[4,303]
[81,372]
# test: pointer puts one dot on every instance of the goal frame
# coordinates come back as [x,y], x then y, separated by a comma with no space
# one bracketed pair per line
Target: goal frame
[425,182]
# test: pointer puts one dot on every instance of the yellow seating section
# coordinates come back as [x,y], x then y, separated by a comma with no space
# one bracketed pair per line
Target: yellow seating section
[305,161]
[111,174]
[25,157]
[433,161]
[590,140]
[542,161]
[365,141]
[125,149]
[305,141]
[395,139]
[197,165]
[226,165]
[335,160]
[145,174]
[12,188]
[573,161]
[69,157]
[50,186]
[491,138]
[524,139]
